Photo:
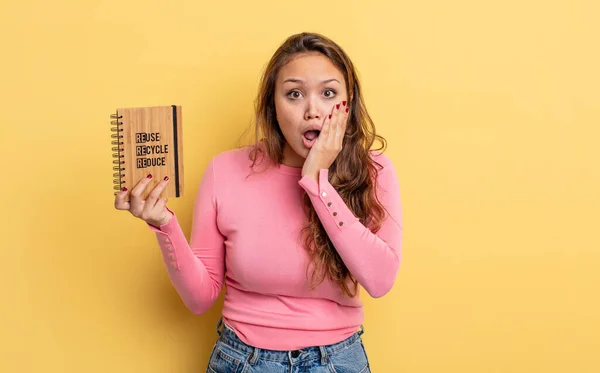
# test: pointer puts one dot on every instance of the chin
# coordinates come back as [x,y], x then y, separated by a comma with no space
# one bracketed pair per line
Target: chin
[301,150]
[301,153]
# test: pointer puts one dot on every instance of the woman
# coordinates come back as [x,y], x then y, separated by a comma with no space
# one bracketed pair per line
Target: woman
[291,225]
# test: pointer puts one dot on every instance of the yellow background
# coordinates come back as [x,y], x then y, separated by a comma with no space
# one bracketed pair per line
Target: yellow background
[492,114]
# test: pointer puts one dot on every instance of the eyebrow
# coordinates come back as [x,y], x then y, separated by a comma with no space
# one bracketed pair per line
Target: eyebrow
[294,80]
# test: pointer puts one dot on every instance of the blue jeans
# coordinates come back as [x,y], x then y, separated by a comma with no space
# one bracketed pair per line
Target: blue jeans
[231,355]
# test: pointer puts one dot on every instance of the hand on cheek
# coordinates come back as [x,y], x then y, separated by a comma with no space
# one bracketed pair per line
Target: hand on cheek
[329,143]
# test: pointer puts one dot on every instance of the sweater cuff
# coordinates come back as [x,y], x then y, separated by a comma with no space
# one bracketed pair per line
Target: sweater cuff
[171,240]
[329,205]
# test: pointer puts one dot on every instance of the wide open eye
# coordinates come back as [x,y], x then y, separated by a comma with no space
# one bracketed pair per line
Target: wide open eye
[292,92]
[294,95]
[331,90]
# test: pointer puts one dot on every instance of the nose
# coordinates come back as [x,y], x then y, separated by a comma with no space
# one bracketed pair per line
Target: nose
[312,109]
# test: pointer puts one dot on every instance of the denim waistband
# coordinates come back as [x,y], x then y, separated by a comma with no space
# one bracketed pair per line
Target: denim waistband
[228,336]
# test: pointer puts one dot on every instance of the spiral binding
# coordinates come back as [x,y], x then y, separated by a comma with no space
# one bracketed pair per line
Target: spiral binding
[118,152]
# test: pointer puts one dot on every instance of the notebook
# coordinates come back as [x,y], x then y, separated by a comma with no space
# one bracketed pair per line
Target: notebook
[148,140]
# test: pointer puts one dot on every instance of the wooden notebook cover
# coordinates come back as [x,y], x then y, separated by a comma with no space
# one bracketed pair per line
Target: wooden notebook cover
[149,142]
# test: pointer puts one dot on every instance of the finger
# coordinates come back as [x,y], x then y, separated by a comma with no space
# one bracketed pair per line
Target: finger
[335,126]
[328,127]
[155,195]
[325,129]
[140,187]
[343,123]
[120,202]
[136,200]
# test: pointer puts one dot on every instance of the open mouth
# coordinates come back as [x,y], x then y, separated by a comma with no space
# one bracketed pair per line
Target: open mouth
[311,135]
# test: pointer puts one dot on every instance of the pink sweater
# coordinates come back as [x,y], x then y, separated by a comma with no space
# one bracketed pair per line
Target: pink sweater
[245,234]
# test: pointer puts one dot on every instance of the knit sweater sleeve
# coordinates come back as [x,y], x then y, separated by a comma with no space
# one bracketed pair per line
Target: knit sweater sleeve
[196,269]
[372,258]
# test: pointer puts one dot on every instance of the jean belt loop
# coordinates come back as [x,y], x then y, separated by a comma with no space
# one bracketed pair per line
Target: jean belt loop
[362,330]
[324,357]
[219,325]
[254,356]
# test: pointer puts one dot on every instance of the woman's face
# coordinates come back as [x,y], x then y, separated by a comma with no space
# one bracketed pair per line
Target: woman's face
[306,90]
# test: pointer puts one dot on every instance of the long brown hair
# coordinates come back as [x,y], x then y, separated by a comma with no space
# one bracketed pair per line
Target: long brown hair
[353,174]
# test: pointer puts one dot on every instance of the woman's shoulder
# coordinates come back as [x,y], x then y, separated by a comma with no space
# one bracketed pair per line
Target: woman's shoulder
[386,171]
[382,159]
[240,158]
[234,155]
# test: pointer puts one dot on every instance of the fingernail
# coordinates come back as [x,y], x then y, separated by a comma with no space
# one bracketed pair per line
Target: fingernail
[346,110]
[344,103]
[149,176]
[329,116]
[166,178]
[337,106]
[124,189]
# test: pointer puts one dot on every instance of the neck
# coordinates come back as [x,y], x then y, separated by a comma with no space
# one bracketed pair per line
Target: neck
[291,158]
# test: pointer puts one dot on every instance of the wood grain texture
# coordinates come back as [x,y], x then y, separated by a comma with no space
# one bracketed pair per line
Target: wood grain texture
[149,147]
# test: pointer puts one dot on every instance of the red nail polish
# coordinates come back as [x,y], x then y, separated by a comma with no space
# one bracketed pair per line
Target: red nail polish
[149,176]
[344,103]
[329,116]
[166,178]
[337,106]
[124,189]
[346,110]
